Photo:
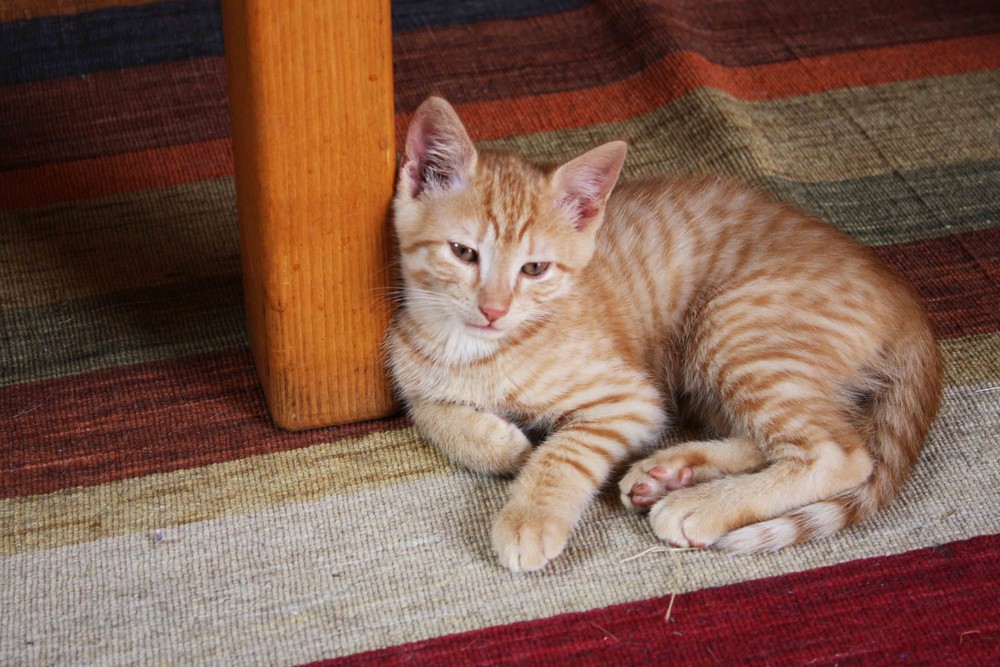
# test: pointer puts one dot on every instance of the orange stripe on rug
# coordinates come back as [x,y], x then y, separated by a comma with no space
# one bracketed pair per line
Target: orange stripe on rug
[114,174]
[681,73]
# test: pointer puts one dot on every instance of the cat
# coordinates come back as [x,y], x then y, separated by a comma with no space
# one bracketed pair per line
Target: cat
[557,298]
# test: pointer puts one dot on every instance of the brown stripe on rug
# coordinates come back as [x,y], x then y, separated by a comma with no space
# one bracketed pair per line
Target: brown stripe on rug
[611,41]
[105,176]
[19,10]
[973,360]
[124,110]
[958,277]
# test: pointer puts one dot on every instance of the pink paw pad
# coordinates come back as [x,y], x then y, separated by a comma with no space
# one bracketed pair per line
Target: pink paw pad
[661,479]
[672,478]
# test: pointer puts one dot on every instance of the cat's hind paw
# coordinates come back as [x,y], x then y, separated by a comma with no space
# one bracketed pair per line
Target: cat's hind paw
[681,466]
[645,483]
[526,538]
[691,518]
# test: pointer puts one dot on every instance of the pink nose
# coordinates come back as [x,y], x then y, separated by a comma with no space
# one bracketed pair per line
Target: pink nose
[492,313]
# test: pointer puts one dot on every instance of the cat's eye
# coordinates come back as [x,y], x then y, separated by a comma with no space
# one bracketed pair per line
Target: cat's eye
[534,269]
[464,253]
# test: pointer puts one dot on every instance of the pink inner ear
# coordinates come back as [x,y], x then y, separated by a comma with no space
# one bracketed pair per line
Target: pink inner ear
[587,211]
[411,175]
[436,161]
[439,152]
[586,192]
[415,156]
[582,210]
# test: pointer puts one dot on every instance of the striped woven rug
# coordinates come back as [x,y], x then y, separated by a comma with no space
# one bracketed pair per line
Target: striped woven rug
[149,512]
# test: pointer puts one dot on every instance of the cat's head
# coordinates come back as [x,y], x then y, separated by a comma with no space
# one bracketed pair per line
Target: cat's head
[488,241]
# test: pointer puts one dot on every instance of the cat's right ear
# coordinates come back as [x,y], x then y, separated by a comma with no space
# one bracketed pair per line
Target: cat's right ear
[583,185]
[439,155]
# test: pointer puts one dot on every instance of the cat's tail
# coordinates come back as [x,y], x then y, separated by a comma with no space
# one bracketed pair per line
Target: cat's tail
[899,419]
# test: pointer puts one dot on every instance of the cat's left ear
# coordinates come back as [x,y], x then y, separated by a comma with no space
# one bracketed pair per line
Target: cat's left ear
[582,185]
[439,153]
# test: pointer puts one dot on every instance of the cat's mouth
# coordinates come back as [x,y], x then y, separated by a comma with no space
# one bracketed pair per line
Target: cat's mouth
[485,330]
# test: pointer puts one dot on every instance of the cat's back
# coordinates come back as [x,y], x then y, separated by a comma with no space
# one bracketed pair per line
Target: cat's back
[719,229]
[670,244]
[710,217]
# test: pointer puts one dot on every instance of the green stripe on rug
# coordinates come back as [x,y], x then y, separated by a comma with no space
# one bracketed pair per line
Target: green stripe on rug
[832,136]
[121,328]
[81,249]
[127,242]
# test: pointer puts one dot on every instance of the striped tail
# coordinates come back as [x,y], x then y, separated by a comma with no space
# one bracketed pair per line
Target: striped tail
[899,419]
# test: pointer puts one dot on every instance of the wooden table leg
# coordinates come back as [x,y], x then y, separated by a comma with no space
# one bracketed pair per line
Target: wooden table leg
[310,94]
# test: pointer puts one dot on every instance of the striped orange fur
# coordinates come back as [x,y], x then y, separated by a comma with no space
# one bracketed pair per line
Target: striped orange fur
[538,298]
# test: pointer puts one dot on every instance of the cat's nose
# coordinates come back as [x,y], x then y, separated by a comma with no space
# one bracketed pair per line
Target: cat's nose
[492,313]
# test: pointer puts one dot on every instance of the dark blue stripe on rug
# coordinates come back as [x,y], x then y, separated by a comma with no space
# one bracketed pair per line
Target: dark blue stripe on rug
[421,14]
[107,39]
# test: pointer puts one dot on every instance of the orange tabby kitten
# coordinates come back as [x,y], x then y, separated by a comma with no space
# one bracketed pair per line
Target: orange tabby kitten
[539,297]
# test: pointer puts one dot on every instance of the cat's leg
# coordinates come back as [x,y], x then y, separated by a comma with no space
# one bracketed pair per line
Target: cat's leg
[816,463]
[683,465]
[778,370]
[562,476]
[480,441]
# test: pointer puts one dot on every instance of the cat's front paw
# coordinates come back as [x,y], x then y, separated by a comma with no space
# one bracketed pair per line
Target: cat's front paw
[504,446]
[526,538]
[689,518]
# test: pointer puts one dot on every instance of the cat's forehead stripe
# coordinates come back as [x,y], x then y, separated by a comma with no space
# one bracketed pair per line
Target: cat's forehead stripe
[525,225]
[508,198]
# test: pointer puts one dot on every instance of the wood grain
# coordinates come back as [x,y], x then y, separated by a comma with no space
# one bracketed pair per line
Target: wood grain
[310,89]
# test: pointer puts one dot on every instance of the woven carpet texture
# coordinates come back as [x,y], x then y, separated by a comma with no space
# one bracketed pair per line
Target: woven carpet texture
[151,514]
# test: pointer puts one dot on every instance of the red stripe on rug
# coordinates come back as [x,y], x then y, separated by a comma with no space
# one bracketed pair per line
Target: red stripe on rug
[934,606]
[137,420]
[958,276]
[656,86]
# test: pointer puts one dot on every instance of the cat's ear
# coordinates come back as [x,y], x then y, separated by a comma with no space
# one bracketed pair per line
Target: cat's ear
[582,185]
[439,154]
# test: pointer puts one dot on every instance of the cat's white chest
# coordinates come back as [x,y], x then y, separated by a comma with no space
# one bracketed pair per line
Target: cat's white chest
[483,385]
